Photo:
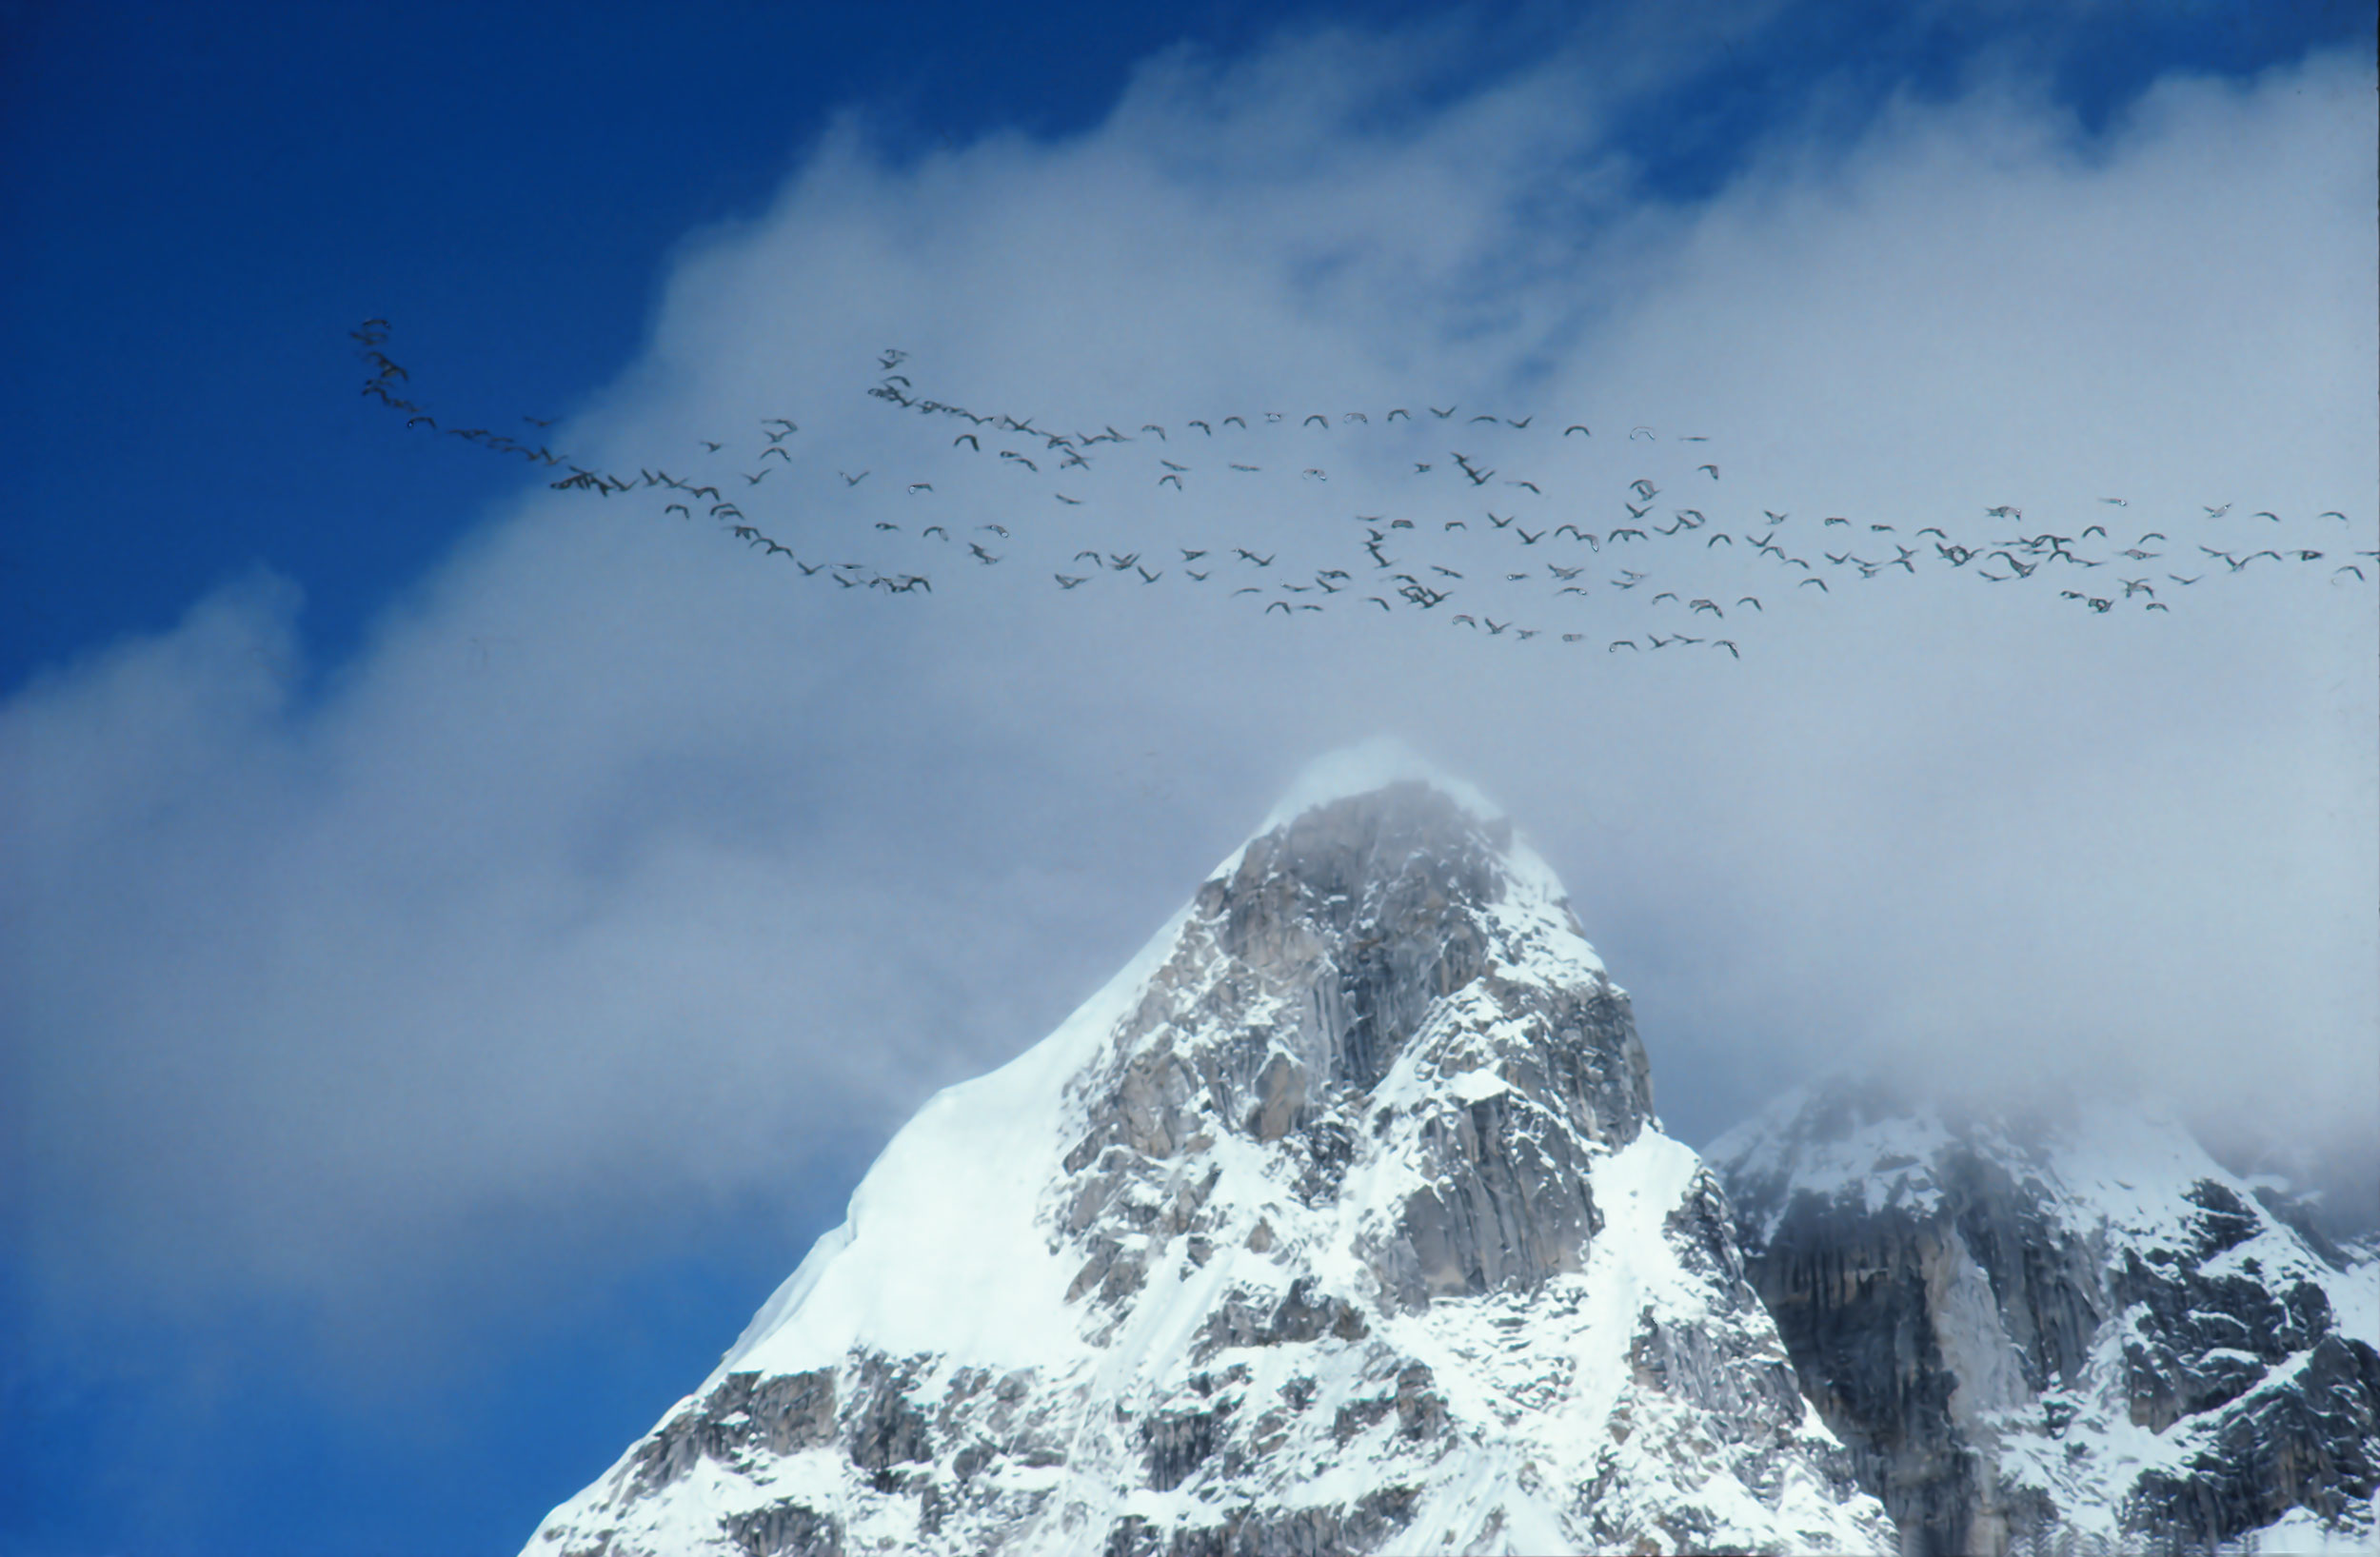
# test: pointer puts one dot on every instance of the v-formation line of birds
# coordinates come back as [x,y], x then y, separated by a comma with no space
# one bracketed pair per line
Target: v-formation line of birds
[1587,545]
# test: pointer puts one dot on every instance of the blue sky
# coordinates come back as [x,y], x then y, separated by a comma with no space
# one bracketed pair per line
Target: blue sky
[463,950]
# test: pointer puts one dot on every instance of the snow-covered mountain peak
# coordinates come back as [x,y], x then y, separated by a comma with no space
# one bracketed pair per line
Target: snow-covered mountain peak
[1366,767]
[1337,1221]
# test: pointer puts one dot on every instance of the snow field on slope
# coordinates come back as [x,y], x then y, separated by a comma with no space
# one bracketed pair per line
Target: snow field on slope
[941,1249]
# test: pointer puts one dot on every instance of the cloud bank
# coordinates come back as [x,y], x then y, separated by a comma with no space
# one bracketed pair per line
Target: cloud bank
[629,869]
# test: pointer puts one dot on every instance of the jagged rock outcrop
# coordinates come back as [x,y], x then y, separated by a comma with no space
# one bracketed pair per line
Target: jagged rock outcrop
[2060,1331]
[1340,1222]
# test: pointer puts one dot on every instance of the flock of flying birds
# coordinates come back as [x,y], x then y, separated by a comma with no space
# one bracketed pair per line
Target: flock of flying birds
[1536,559]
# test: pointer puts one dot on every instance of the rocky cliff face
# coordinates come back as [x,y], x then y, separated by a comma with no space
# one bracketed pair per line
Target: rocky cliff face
[2062,1331]
[1339,1223]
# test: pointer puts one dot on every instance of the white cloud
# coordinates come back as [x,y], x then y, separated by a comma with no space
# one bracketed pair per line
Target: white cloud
[629,866]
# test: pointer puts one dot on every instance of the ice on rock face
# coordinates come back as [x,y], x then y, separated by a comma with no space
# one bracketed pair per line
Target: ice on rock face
[1338,1222]
[2075,1328]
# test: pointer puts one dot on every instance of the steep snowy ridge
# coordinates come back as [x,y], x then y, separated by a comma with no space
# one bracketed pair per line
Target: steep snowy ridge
[2080,1328]
[1338,1222]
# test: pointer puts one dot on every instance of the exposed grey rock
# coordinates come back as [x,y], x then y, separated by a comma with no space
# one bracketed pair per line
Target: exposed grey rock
[1342,932]
[1177,1441]
[742,1416]
[784,1530]
[884,1425]
[1254,1532]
